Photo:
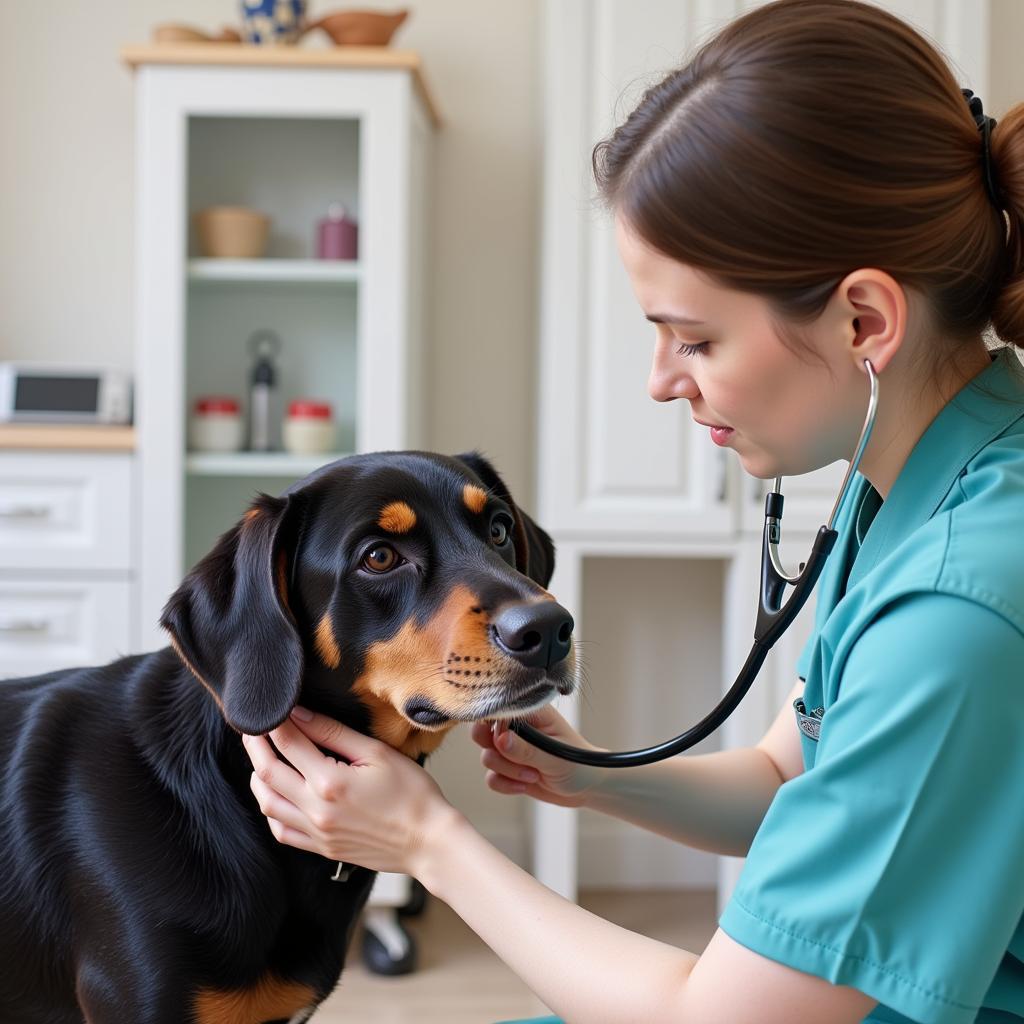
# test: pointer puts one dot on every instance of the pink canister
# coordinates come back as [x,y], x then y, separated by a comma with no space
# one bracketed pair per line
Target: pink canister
[337,235]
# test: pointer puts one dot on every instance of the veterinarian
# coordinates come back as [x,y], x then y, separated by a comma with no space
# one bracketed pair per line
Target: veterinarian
[811,191]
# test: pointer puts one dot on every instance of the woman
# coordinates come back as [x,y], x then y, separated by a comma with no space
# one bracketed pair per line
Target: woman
[812,191]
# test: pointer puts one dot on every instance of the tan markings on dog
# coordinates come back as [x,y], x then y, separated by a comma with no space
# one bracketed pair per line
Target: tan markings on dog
[191,668]
[252,514]
[282,580]
[474,498]
[398,517]
[326,645]
[397,731]
[271,998]
[412,664]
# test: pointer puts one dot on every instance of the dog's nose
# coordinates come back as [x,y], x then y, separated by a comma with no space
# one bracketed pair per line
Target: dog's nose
[537,635]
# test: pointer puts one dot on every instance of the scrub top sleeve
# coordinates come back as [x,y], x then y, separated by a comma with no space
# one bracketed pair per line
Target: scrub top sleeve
[803,663]
[893,865]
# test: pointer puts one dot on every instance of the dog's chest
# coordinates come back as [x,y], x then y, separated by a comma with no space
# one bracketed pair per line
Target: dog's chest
[317,929]
[304,957]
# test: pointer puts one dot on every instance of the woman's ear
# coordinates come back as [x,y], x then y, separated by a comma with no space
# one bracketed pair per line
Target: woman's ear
[230,621]
[873,305]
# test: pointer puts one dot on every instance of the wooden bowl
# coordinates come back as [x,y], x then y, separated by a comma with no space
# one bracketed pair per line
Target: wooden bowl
[360,28]
[232,232]
[178,34]
[174,33]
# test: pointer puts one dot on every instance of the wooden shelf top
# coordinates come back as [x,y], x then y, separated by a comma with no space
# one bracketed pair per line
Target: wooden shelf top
[67,437]
[246,55]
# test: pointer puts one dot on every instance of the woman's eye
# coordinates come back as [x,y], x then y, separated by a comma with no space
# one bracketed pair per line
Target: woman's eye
[686,349]
[380,558]
[499,532]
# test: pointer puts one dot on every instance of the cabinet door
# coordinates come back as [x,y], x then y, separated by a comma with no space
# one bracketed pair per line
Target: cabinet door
[612,461]
[62,624]
[60,511]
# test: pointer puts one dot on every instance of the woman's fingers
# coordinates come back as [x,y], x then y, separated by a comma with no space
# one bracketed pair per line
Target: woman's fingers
[492,760]
[325,732]
[482,734]
[502,784]
[272,770]
[292,837]
[299,750]
[276,807]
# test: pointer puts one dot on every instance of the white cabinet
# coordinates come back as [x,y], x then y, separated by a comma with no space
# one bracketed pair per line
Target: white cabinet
[286,132]
[619,475]
[62,623]
[67,584]
[62,511]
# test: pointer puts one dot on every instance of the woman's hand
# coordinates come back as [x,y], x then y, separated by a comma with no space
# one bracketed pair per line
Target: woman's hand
[515,766]
[380,810]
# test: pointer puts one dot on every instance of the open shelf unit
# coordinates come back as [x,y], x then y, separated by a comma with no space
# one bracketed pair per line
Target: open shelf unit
[285,135]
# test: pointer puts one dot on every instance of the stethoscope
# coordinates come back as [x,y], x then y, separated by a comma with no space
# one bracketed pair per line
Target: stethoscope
[773,619]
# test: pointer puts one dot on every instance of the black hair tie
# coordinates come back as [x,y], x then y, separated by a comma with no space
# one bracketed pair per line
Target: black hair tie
[985,125]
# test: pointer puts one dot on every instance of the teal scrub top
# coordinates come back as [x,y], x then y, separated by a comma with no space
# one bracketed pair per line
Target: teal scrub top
[895,862]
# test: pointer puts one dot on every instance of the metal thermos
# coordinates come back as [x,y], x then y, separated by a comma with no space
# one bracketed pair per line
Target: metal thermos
[264,415]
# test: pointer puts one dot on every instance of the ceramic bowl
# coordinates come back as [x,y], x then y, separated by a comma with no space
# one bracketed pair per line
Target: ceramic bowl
[272,22]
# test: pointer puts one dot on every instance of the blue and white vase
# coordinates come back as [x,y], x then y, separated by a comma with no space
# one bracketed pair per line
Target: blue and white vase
[271,22]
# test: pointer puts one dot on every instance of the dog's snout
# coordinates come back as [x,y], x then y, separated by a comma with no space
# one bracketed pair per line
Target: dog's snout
[537,635]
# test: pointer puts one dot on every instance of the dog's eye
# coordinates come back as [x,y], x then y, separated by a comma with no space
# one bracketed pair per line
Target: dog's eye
[500,530]
[380,558]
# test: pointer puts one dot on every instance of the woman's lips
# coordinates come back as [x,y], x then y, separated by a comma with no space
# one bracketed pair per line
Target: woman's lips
[719,434]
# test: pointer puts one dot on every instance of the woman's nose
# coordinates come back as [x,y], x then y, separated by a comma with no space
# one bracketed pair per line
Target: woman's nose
[668,380]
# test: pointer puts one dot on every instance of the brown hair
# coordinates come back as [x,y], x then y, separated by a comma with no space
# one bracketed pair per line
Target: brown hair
[812,137]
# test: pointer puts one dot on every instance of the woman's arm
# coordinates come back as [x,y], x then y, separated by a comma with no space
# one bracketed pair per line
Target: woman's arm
[385,812]
[713,802]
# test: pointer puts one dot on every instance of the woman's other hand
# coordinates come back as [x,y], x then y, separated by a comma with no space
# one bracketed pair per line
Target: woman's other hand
[515,766]
[379,810]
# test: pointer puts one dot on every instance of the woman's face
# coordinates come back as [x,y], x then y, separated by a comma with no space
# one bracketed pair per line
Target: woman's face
[781,411]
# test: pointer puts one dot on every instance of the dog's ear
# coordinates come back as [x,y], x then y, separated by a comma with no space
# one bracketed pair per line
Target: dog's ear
[535,553]
[230,621]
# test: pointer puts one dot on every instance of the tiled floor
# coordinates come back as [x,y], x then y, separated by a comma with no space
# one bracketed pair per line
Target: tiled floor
[460,981]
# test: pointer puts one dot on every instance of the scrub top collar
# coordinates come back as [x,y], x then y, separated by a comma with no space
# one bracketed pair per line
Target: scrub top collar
[982,410]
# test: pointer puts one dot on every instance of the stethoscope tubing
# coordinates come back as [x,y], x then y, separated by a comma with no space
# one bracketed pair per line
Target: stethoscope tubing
[773,619]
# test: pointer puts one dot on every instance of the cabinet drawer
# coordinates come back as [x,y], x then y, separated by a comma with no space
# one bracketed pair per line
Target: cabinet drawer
[64,512]
[45,626]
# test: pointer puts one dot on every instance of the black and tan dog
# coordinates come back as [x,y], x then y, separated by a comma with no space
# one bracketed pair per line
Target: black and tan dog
[139,884]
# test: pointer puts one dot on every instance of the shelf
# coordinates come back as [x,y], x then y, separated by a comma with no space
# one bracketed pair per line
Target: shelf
[284,271]
[281,464]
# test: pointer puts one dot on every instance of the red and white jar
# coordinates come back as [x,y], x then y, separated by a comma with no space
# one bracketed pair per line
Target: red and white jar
[216,424]
[309,427]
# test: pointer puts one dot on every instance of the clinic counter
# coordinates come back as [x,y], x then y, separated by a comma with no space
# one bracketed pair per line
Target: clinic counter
[67,437]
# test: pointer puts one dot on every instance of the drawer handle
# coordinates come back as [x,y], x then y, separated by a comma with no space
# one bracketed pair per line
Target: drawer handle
[24,626]
[26,512]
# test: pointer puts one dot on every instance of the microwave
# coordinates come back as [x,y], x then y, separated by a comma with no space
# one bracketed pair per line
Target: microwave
[55,393]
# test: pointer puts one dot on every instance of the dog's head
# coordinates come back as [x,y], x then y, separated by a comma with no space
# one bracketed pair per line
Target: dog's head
[401,592]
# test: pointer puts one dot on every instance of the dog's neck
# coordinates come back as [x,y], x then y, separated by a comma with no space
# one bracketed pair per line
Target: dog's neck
[326,691]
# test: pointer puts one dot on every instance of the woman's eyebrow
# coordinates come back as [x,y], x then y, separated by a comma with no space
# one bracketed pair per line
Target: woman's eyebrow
[669,318]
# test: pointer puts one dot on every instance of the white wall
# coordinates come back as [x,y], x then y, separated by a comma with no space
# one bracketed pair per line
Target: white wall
[66,197]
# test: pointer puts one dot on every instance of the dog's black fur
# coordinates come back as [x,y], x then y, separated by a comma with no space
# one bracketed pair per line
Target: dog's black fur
[138,880]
